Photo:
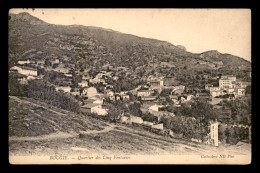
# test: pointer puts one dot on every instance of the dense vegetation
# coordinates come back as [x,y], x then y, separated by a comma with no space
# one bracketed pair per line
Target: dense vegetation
[15,88]
[40,90]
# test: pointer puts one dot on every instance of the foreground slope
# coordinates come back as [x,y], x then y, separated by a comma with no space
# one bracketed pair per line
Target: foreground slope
[63,132]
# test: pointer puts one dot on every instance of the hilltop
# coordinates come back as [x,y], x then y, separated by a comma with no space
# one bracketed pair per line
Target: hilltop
[227,59]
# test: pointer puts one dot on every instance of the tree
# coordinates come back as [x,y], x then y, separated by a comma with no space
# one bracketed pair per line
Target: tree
[165,92]
[149,117]
[47,62]
[114,113]
[167,121]
[171,109]
[135,109]
[55,66]
[15,88]
[132,97]
[221,133]
[168,100]
[202,110]
[230,134]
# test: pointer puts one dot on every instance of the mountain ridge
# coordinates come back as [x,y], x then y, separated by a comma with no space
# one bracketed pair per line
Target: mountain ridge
[27,16]
[105,45]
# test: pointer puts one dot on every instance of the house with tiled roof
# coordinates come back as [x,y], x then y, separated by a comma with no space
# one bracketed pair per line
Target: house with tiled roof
[93,108]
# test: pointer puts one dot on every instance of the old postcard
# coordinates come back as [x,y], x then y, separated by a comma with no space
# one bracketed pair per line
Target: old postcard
[129,86]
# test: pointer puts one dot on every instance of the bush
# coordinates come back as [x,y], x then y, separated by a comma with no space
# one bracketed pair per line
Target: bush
[232,140]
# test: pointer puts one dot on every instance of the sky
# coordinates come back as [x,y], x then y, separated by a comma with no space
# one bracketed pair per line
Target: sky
[199,30]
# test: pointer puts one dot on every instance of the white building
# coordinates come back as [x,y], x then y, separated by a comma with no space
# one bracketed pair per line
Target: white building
[230,90]
[148,123]
[95,80]
[217,93]
[68,74]
[155,107]
[56,61]
[230,77]
[189,97]
[24,62]
[115,78]
[27,71]
[85,76]
[179,87]
[66,89]
[30,77]
[213,134]
[240,91]
[94,108]
[61,70]
[158,126]
[123,92]
[134,119]
[227,82]
[90,92]
[99,75]
[214,89]
[125,119]
[125,97]
[143,93]
[83,84]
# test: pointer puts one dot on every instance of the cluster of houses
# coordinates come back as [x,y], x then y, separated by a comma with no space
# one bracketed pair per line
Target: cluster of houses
[144,93]
[151,102]
[93,101]
[228,85]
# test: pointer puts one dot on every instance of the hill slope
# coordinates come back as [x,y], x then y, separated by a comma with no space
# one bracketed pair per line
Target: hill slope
[30,37]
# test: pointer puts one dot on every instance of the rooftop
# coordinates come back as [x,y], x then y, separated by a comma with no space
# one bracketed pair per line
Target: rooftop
[224,78]
[90,105]
[27,68]
[144,91]
[203,94]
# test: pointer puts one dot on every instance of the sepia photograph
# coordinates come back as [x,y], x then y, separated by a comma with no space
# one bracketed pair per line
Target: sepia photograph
[129,86]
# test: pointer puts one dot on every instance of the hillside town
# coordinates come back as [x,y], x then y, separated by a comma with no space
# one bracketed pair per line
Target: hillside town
[83,90]
[157,96]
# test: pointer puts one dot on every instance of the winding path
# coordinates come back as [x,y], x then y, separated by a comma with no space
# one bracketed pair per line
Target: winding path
[59,135]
